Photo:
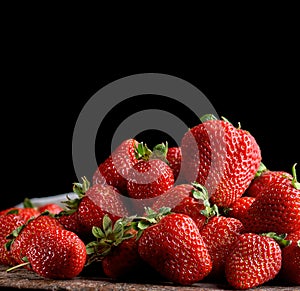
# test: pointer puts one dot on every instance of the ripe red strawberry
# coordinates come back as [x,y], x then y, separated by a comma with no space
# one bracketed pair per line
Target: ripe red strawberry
[189,199]
[8,222]
[219,234]
[26,213]
[239,208]
[98,201]
[53,208]
[114,170]
[264,179]
[253,260]
[55,253]
[69,220]
[290,270]
[149,177]
[220,157]
[180,199]
[175,249]
[174,159]
[277,208]
[90,207]
[20,239]
[116,248]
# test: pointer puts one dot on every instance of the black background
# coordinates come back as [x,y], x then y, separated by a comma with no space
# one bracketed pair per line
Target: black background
[49,73]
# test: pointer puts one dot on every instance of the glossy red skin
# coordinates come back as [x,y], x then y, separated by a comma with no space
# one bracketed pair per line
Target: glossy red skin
[9,223]
[114,170]
[123,260]
[176,250]
[56,254]
[98,201]
[174,159]
[253,260]
[180,199]
[219,234]
[276,209]
[238,209]
[71,222]
[25,213]
[222,158]
[173,197]
[51,207]
[263,181]
[149,179]
[290,270]
[42,223]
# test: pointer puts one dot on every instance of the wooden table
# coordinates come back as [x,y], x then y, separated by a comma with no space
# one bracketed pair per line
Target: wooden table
[24,279]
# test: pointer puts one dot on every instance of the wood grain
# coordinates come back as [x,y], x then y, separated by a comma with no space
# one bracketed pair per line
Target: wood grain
[24,279]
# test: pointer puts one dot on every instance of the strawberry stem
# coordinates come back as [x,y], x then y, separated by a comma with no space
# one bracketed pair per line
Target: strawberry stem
[18,266]
[295,183]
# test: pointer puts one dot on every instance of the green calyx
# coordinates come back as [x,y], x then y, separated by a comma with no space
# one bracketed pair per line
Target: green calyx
[81,188]
[108,237]
[207,117]
[298,243]
[295,183]
[262,168]
[280,239]
[72,205]
[200,193]
[27,203]
[142,152]
[12,236]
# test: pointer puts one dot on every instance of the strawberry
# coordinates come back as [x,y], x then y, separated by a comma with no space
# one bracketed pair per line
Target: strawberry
[69,220]
[116,248]
[175,249]
[253,260]
[151,176]
[45,247]
[239,208]
[26,212]
[21,237]
[290,270]
[114,170]
[98,201]
[263,179]
[220,157]
[276,208]
[219,234]
[55,253]
[53,208]
[190,199]
[174,159]
[8,222]
[90,207]
[173,197]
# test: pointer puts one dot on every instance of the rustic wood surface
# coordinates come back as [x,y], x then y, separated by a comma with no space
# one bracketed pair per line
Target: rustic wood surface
[24,279]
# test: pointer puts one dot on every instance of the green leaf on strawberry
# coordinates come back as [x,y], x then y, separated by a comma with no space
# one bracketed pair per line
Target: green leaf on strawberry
[201,193]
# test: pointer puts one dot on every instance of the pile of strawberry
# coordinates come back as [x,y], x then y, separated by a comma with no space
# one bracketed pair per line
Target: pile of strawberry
[205,211]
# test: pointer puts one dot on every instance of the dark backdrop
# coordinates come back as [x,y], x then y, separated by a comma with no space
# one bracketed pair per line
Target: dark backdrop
[48,79]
